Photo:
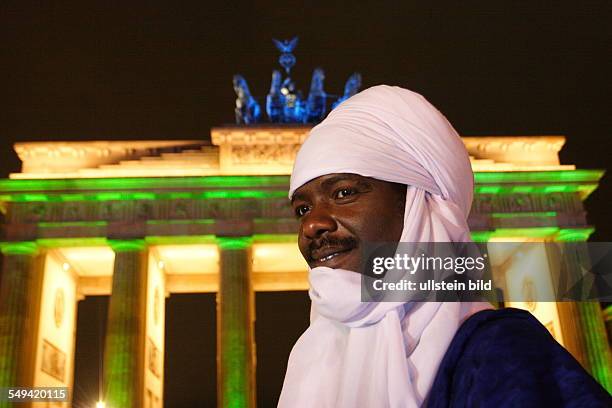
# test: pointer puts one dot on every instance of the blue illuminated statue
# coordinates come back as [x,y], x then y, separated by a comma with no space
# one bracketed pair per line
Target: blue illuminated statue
[247,109]
[286,47]
[293,106]
[293,110]
[284,102]
[350,88]
[275,101]
[316,107]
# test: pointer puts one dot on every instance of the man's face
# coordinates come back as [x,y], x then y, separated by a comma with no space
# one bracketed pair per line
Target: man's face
[341,211]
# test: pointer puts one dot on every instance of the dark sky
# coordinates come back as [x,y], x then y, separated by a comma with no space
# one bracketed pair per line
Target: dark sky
[92,70]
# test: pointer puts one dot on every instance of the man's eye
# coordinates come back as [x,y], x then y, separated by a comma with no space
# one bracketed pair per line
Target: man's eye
[301,210]
[344,192]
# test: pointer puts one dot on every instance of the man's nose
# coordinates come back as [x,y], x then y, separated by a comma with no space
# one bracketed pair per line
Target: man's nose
[317,222]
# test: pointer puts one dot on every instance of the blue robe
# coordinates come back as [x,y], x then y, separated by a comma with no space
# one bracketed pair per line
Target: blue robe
[507,358]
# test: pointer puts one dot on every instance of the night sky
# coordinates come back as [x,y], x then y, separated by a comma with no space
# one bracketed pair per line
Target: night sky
[91,71]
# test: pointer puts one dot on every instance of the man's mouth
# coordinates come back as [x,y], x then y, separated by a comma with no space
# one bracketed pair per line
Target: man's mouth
[331,257]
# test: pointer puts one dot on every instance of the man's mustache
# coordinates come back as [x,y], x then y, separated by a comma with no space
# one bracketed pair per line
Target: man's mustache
[342,242]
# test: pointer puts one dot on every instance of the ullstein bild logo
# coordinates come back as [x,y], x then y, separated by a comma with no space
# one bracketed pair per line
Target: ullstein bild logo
[494,272]
[431,285]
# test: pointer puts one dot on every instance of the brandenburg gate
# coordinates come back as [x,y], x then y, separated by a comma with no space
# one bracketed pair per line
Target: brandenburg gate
[142,220]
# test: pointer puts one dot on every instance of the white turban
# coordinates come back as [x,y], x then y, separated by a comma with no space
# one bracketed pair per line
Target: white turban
[386,354]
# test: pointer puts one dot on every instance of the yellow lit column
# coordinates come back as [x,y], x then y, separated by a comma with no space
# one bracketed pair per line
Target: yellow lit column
[155,331]
[125,334]
[19,296]
[235,318]
[583,324]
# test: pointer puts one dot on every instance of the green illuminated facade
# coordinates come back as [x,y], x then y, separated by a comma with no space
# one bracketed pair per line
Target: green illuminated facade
[129,214]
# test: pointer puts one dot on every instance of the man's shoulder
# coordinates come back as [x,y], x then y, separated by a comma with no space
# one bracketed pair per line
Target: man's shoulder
[509,329]
[490,335]
[509,339]
[491,331]
[506,357]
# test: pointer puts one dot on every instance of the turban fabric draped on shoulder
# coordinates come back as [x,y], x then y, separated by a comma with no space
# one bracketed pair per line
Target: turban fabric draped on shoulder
[357,354]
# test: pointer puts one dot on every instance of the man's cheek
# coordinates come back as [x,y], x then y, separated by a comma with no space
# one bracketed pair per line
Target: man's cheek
[302,246]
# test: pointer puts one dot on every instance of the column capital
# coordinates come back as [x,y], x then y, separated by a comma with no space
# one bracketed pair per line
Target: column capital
[19,248]
[127,245]
[234,242]
[574,234]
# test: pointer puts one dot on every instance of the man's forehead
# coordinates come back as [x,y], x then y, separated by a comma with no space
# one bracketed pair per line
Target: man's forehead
[326,181]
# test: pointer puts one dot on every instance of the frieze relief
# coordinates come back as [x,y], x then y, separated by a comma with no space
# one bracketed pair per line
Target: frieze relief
[511,203]
[154,358]
[276,208]
[181,209]
[53,361]
[264,154]
[249,208]
[211,208]
[110,210]
[142,210]
[258,136]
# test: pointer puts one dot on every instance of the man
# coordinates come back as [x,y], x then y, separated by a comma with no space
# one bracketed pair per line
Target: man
[387,166]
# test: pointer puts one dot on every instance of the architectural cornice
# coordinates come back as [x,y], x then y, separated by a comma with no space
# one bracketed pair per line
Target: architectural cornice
[535,150]
[70,156]
[253,150]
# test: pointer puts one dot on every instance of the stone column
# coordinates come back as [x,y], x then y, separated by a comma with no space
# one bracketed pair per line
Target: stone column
[583,326]
[585,337]
[125,333]
[19,296]
[235,331]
